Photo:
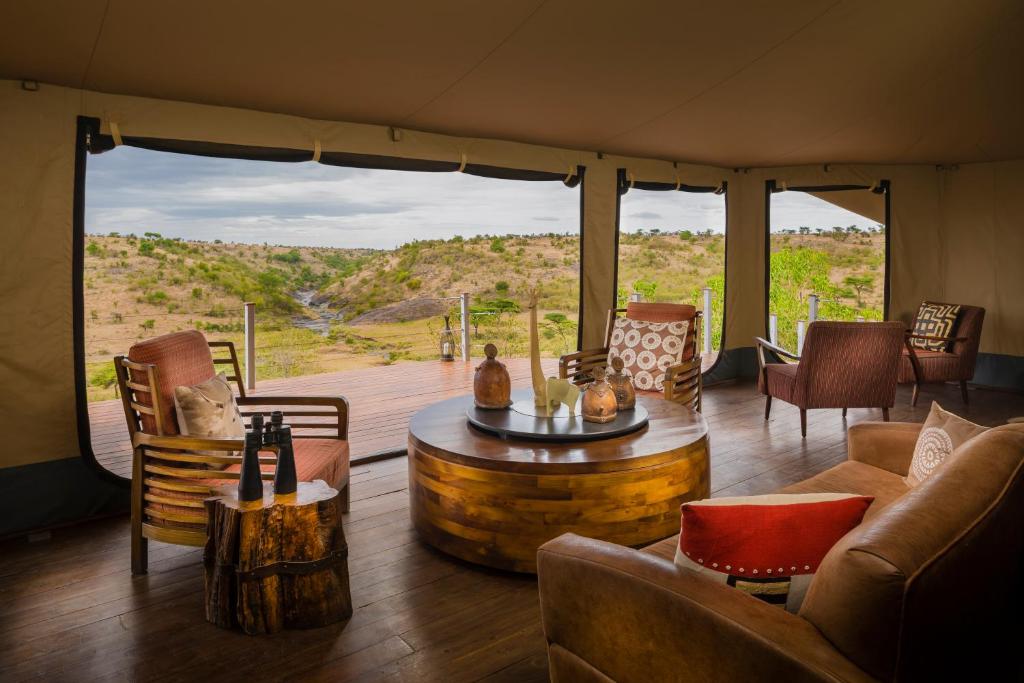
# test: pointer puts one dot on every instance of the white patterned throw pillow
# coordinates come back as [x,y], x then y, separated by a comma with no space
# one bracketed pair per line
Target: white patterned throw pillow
[942,433]
[647,349]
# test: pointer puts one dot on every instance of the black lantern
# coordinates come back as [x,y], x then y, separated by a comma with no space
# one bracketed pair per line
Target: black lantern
[447,340]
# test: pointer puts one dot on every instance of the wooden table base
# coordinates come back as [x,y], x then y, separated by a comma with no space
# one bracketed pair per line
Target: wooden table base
[498,510]
[277,564]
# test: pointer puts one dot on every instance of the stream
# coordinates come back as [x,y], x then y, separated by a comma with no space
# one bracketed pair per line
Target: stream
[322,315]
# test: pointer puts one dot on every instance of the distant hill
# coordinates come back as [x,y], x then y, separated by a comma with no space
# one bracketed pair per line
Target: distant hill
[323,308]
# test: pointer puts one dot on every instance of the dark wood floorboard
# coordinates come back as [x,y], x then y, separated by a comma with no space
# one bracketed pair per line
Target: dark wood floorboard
[71,611]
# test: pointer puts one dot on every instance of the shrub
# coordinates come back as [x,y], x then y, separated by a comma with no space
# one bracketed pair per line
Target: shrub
[157,297]
[501,286]
[414,284]
[290,256]
[497,245]
[147,248]
[94,249]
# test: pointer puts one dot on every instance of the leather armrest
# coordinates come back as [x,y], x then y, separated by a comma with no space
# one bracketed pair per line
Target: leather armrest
[636,617]
[886,445]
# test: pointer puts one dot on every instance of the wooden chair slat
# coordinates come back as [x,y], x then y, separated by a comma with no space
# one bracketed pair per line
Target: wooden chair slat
[141,408]
[174,485]
[175,516]
[164,500]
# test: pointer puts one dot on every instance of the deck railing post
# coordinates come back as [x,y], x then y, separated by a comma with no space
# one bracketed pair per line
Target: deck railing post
[707,320]
[812,308]
[464,311]
[250,346]
[799,337]
[636,297]
[773,329]
[860,318]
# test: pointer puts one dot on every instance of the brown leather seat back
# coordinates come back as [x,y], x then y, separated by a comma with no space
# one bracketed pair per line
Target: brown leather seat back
[919,591]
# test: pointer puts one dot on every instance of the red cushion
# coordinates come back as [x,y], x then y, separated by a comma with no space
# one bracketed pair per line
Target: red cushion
[181,359]
[769,546]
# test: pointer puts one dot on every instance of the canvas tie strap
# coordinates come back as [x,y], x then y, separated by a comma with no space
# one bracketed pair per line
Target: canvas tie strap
[316,151]
[115,132]
[629,176]
[721,188]
[568,178]
[679,183]
[462,164]
[781,185]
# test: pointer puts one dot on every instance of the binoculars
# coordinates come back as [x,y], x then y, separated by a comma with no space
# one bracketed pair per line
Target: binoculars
[260,435]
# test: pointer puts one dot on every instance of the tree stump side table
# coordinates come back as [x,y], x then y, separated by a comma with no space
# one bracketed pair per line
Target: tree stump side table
[277,563]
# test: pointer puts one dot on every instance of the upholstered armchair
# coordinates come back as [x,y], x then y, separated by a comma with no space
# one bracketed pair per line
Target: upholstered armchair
[682,380]
[172,474]
[954,364]
[843,365]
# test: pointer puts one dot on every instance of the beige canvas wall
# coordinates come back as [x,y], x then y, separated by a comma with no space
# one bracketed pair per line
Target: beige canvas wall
[36,360]
[956,235]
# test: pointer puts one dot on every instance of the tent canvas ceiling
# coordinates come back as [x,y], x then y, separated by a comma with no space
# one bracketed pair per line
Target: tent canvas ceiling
[762,84]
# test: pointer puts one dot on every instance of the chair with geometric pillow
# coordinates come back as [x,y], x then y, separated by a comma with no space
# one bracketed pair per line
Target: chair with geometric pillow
[675,375]
[942,346]
[172,472]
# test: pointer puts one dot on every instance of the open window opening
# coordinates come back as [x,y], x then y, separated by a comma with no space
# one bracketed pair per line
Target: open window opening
[353,275]
[828,251]
[671,249]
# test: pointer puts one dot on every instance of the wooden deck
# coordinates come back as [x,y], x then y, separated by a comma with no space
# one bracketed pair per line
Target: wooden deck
[381,400]
[73,612]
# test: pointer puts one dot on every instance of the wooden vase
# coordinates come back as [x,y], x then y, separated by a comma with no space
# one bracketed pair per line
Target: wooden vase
[599,404]
[622,385]
[492,386]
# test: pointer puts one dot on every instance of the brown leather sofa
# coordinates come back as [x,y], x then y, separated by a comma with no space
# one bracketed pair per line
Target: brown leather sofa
[925,589]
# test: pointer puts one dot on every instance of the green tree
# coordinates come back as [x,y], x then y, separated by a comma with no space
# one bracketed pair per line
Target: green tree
[860,284]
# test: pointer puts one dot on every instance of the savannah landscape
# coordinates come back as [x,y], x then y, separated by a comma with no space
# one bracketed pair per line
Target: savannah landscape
[326,309]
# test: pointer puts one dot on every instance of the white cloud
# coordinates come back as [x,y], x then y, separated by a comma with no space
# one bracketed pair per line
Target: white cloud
[134,190]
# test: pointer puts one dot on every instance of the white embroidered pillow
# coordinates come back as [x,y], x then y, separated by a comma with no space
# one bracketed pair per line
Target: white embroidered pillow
[942,433]
[647,349]
[209,409]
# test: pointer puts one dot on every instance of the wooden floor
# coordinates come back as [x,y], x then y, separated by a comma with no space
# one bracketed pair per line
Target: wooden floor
[71,611]
[382,399]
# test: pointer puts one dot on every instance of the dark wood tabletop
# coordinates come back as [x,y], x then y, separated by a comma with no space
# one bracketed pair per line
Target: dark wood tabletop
[443,431]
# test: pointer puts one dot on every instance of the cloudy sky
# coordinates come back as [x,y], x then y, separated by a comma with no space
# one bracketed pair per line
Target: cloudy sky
[135,190]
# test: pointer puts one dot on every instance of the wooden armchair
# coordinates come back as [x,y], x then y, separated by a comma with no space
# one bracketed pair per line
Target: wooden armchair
[683,383]
[843,365]
[955,364]
[172,474]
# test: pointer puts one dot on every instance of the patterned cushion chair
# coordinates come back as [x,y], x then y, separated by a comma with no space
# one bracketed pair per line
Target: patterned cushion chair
[844,365]
[953,351]
[682,381]
[172,474]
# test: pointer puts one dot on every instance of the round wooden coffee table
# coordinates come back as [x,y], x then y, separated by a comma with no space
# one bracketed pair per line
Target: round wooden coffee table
[494,501]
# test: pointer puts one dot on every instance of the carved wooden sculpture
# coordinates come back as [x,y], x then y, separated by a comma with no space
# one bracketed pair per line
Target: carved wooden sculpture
[540,385]
[563,391]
